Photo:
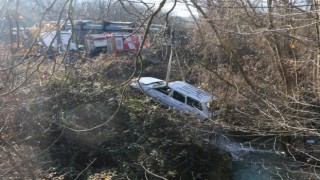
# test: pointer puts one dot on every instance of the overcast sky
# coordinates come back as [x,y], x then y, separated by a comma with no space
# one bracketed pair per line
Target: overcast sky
[180,9]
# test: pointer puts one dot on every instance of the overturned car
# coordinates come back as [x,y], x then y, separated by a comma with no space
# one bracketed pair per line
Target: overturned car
[179,95]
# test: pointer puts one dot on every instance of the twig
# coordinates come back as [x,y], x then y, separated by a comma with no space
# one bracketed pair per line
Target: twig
[91,162]
[152,173]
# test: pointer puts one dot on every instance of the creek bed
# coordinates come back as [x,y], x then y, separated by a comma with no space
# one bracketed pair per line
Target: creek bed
[262,160]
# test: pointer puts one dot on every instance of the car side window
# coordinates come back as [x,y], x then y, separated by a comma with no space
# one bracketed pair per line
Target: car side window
[178,96]
[194,103]
[164,90]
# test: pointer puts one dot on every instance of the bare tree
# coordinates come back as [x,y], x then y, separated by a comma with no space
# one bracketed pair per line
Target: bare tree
[26,64]
[261,58]
[265,53]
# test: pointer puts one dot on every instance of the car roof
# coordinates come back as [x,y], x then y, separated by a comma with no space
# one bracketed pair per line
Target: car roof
[149,80]
[191,91]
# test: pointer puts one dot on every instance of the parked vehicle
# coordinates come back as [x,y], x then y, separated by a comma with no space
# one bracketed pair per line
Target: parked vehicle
[179,95]
[112,37]
[97,43]
[114,43]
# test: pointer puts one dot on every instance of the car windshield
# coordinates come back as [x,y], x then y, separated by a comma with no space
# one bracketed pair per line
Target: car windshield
[158,84]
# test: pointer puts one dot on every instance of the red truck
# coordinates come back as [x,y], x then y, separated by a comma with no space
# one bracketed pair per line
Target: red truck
[115,43]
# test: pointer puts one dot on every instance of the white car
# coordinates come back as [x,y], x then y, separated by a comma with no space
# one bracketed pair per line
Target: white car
[178,95]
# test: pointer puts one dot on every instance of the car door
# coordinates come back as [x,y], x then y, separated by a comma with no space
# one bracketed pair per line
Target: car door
[195,107]
[161,95]
[179,101]
[165,98]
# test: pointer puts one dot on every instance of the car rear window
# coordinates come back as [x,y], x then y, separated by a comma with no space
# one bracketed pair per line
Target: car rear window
[194,103]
